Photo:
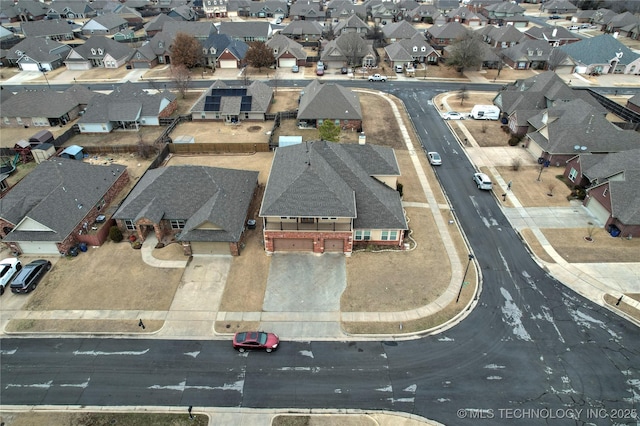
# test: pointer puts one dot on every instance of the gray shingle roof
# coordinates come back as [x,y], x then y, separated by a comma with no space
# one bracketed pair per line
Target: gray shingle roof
[107,45]
[39,49]
[243,30]
[450,30]
[46,28]
[329,101]
[611,164]
[260,93]
[200,195]
[299,28]
[599,50]
[325,179]
[39,103]
[58,194]
[625,203]
[399,30]
[285,45]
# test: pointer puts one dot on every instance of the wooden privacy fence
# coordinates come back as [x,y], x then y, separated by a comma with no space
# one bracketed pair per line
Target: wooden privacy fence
[218,148]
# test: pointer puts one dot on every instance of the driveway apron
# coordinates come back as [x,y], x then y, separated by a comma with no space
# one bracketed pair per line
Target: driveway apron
[304,282]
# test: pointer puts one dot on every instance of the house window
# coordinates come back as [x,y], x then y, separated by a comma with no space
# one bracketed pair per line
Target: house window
[389,235]
[573,174]
[19,120]
[130,224]
[93,51]
[307,220]
[203,115]
[363,235]
[6,120]
[177,224]
[605,192]
[415,48]
[423,49]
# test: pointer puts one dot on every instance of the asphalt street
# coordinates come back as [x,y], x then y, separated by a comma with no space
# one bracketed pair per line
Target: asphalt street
[532,351]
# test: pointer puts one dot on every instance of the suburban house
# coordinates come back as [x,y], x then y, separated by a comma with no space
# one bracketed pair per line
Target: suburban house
[222,51]
[329,101]
[559,7]
[352,24]
[383,12]
[44,108]
[56,30]
[611,182]
[526,98]
[203,208]
[259,9]
[555,36]
[633,103]
[247,31]
[567,128]
[287,52]
[500,37]
[342,10]
[602,54]
[441,36]
[397,31]
[215,8]
[465,16]
[105,24]
[304,10]
[37,54]
[155,24]
[329,197]
[98,52]
[233,104]
[22,11]
[303,31]
[602,16]
[126,108]
[414,50]
[183,13]
[200,30]
[620,21]
[426,13]
[70,10]
[349,49]
[51,208]
[530,54]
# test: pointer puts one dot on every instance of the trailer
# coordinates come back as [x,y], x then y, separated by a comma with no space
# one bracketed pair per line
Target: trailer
[485,112]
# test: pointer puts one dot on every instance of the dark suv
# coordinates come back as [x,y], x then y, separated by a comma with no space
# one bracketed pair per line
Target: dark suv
[29,277]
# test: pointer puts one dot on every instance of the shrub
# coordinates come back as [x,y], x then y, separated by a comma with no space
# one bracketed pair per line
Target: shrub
[516,163]
[399,187]
[115,234]
[514,141]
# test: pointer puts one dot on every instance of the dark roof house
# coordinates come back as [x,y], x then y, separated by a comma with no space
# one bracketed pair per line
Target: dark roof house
[330,101]
[233,104]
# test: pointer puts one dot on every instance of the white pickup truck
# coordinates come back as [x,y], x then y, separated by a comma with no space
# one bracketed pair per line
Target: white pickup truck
[377,77]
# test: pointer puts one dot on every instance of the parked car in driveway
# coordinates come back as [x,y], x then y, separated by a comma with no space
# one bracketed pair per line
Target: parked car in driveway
[453,115]
[482,181]
[434,158]
[28,278]
[9,267]
[295,68]
[252,340]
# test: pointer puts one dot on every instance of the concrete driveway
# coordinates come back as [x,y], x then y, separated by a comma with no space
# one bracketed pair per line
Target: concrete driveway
[304,282]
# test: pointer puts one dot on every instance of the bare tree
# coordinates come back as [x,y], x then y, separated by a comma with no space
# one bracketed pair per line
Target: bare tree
[466,52]
[181,76]
[260,55]
[556,58]
[462,94]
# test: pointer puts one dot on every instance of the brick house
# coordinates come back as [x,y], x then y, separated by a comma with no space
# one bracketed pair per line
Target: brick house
[52,208]
[330,101]
[203,208]
[329,197]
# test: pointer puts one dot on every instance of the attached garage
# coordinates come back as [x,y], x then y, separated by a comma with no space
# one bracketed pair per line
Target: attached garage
[141,65]
[210,248]
[598,210]
[335,246]
[292,244]
[228,63]
[39,247]
[287,62]
[29,66]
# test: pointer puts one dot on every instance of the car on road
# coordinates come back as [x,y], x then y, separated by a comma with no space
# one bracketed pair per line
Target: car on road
[453,115]
[482,181]
[377,77]
[434,158]
[252,340]
[9,267]
[555,17]
[344,70]
[28,278]
[295,68]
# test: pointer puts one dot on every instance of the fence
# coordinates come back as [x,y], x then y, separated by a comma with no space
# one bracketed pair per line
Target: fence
[632,118]
[217,148]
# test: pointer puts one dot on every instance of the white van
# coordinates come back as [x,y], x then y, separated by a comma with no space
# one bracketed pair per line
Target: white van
[485,112]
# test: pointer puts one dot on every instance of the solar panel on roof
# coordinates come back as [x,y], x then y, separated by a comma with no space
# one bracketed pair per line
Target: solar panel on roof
[245,103]
[212,103]
[229,92]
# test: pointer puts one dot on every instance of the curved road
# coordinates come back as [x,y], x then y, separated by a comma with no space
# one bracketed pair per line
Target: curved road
[532,351]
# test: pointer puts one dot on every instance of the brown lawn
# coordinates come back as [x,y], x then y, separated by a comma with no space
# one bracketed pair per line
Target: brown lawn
[532,192]
[572,246]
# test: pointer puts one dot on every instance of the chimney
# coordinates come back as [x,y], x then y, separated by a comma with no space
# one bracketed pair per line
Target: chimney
[362,139]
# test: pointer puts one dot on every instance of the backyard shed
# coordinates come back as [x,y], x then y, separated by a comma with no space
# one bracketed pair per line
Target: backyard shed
[73,152]
[43,136]
[43,152]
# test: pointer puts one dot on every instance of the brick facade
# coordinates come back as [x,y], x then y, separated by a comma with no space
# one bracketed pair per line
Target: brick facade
[169,109]
[318,239]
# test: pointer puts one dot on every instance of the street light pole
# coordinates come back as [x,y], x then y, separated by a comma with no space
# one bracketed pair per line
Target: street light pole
[464,276]
[44,73]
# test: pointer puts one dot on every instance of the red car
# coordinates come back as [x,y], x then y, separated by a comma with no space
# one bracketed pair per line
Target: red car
[246,340]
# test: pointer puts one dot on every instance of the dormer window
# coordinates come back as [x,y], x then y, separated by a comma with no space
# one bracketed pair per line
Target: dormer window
[423,49]
[93,51]
[100,51]
[415,48]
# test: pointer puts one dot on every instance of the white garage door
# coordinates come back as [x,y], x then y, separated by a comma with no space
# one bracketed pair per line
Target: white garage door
[29,67]
[39,247]
[228,63]
[598,210]
[535,149]
[210,248]
[287,62]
